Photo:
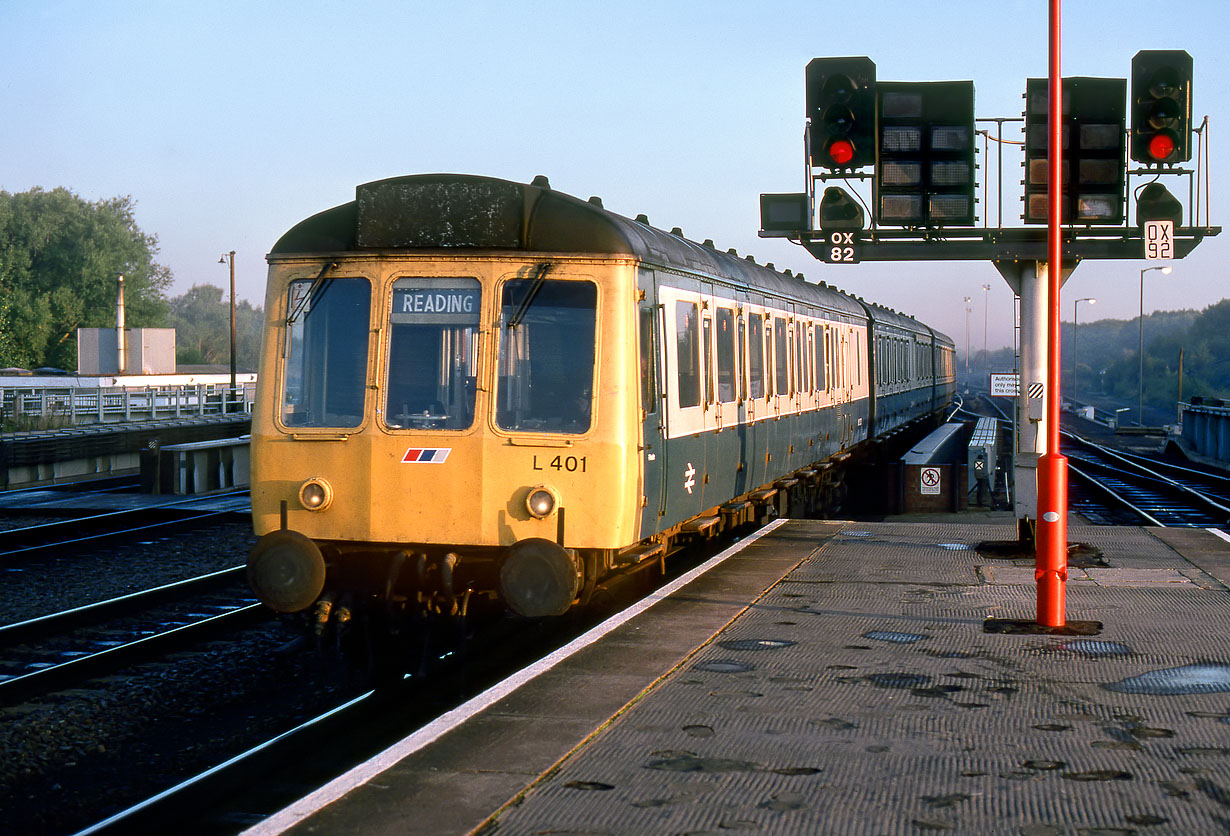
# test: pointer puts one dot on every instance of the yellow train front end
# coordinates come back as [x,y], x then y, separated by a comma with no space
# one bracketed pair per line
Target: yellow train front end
[434,428]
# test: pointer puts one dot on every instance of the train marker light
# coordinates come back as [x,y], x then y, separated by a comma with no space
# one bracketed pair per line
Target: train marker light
[540,502]
[925,154]
[315,494]
[841,112]
[1161,106]
[1094,153]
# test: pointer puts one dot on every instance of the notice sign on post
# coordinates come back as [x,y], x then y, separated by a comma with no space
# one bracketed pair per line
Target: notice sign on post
[1005,385]
[929,480]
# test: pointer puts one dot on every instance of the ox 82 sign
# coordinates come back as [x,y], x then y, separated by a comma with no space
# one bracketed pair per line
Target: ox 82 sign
[842,247]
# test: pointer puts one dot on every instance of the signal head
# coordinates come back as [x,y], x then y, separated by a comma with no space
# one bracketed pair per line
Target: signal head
[1161,106]
[841,108]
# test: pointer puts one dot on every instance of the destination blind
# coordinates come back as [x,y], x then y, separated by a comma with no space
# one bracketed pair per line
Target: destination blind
[436,304]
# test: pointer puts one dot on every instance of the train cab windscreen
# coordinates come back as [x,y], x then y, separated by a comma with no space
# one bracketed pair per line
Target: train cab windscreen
[327,326]
[433,353]
[546,355]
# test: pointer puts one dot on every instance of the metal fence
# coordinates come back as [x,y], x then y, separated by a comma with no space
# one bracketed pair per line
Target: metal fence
[123,403]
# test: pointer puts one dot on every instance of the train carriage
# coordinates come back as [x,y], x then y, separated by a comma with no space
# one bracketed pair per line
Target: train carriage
[472,387]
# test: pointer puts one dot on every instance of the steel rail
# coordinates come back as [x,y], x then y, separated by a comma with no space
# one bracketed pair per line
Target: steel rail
[84,667]
[1141,470]
[103,536]
[1116,497]
[35,628]
[148,815]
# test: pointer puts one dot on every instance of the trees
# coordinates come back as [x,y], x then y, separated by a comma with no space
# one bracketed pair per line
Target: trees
[59,260]
[201,319]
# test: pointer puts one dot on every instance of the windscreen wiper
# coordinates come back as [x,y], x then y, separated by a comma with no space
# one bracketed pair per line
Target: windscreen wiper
[540,277]
[316,283]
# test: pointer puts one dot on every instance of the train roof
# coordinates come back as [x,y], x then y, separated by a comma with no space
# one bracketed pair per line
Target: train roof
[462,211]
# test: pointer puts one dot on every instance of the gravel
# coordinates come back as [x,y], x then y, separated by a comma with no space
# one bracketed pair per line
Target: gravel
[42,585]
[76,757]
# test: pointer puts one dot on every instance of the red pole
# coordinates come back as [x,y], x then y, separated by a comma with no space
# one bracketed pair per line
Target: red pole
[1051,567]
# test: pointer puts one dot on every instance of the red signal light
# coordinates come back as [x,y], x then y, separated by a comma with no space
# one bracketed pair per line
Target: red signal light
[841,151]
[1161,147]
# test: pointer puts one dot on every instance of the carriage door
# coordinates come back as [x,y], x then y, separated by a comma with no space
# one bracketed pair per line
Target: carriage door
[653,409]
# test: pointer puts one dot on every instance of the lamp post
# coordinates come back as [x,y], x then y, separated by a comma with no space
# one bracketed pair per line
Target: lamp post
[1140,397]
[986,358]
[967,313]
[1075,308]
[229,258]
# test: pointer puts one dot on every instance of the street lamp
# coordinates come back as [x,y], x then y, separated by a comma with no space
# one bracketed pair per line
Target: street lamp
[986,358]
[1140,397]
[229,258]
[967,313]
[1075,305]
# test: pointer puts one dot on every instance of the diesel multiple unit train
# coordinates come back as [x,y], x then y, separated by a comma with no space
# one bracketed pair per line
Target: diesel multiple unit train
[477,389]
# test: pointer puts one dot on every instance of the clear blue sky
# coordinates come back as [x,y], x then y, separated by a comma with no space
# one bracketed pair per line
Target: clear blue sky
[230,121]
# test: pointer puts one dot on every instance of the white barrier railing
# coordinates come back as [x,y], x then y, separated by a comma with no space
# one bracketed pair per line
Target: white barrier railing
[124,403]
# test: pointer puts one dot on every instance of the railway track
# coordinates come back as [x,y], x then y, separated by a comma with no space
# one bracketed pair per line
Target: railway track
[1114,487]
[61,650]
[1110,487]
[99,529]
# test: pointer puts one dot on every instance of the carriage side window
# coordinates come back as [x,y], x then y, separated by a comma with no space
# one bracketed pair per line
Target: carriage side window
[741,374]
[327,328]
[725,324]
[755,355]
[649,363]
[781,368]
[706,325]
[794,357]
[687,353]
[804,358]
[433,353]
[843,350]
[821,383]
[545,369]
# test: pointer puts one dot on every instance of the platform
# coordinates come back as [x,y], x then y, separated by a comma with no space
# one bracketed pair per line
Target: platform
[838,677]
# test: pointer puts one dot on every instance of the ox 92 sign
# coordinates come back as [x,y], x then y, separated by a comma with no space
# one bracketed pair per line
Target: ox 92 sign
[842,247]
[1159,240]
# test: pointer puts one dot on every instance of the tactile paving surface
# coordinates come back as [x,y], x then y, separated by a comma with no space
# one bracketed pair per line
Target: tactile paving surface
[861,695]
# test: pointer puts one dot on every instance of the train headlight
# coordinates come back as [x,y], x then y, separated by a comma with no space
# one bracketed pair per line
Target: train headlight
[315,494]
[541,502]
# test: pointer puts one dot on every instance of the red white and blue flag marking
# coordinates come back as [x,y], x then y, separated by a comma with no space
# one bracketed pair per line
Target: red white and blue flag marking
[435,455]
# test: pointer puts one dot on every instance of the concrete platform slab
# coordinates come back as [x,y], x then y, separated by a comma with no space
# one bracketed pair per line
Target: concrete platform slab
[858,692]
